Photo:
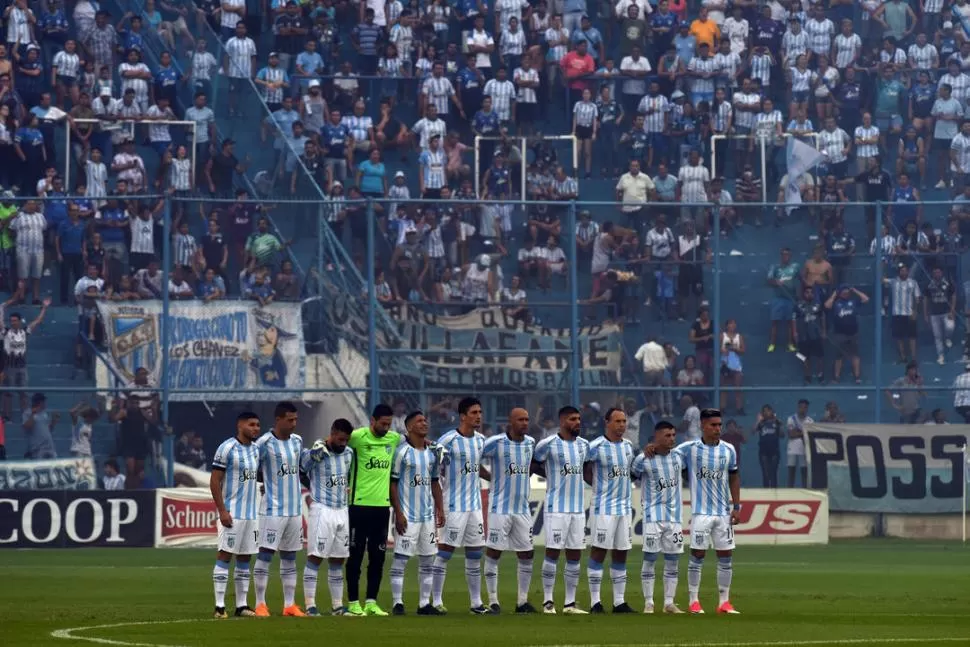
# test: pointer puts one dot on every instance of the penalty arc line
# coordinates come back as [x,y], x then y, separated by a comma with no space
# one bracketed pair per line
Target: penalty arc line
[69,634]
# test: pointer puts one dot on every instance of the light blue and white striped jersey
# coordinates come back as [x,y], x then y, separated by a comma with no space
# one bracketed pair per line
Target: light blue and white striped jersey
[329,477]
[612,486]
[509,464]
[660,486]
[563,461]
[279,461]
[463,456]
[240,490]
[415,470]
[709,466]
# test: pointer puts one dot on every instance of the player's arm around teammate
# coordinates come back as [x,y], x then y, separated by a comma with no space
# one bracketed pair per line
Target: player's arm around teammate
[235,497]
[509,516]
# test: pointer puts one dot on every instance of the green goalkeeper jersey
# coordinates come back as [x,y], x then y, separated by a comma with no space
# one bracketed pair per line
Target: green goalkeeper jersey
[370,478]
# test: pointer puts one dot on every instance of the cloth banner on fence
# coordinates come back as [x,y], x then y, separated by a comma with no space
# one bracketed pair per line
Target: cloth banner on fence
[445,347]
[225,346]
[52,474]
[889,468]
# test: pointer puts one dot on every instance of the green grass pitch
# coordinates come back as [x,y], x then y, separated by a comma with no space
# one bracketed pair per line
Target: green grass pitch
[874,592]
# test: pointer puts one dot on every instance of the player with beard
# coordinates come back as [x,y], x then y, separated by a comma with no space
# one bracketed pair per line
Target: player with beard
[509,456]
[559,459]
[327,468]
[715,494]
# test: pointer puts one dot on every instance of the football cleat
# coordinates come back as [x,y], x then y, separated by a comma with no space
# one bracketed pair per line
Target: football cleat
[729,609]
[496,609]
[398,610]
[573,610]
[354,609]
[339,611]
[440,608]
[525,608]
[293,611]
[672,609]
[372,609]
[623,607]
[481,610]
[429,610]
[262,611]
[695,608]
[220,613]
[648,607]
[596,609]
[312,612]
[245,612]
[549,608]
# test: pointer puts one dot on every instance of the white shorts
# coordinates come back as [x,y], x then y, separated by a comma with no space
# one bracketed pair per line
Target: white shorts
[796,460]
[328,532]
[281,533]
[510,532]
[241,539]
[664,537]
[464,529]
[421,538]
[611,531]
[566,530]
[708,529]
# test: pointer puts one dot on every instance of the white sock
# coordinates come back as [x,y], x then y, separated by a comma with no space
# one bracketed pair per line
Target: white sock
[671,575]
[439,572]
[548,578]
[398,565]
[572,581]
[491,579]
[241,581]
[261,578]
[220,580]
[525,580]
[725,571]
[425,579]
[335,582]
[594,573]
[618,577]
[310,573]
[473,577]
[648,575]
[288,579]
[694,568]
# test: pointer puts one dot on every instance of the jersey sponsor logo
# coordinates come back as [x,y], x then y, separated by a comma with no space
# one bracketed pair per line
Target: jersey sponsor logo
[514,469]
[287,470]
[713,474]
[336,482]
[569,468]
[420,481]
[378,463]
[469,468]
[618,471]
[247,475]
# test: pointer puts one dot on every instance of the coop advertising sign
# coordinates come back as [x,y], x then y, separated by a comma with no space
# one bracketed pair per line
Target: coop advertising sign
[889,468]
[225,346]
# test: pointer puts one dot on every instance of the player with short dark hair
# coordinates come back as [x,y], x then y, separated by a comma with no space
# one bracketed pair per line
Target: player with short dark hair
[370,486]
[464,524]
[235,492]
[663,531]
[327,467]
[559,459]
[281,509]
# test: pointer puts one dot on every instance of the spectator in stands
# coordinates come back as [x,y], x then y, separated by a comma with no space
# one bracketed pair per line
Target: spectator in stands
[906,395]
[83,417]
[38,424]
[112,479]
[782,278]
[136,410]
[732,349]
[768,429]
[69,243]
[795,448]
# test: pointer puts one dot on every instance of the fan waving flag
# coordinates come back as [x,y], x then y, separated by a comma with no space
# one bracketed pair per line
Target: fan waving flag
[799,158]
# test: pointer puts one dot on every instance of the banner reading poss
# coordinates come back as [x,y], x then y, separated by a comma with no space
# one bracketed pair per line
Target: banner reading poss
[187,517]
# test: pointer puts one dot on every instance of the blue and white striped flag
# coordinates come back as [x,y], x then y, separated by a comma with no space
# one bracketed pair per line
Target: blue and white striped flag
[799,158]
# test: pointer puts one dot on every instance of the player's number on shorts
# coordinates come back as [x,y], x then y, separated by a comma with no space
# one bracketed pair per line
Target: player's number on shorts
[432,538]
[678,537]
[730,533]
[481,529]
[256,536]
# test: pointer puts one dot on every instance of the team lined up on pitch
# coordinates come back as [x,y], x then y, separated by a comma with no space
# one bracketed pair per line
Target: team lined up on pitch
[358,477]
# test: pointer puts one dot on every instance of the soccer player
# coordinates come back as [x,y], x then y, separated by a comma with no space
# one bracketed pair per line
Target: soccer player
[370,486]
[281,510]
[464,523]
[559,459]
[235,492]
[607,469]
[509,518]
[715,494]
[663,507]
[418,508]
[327,466]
